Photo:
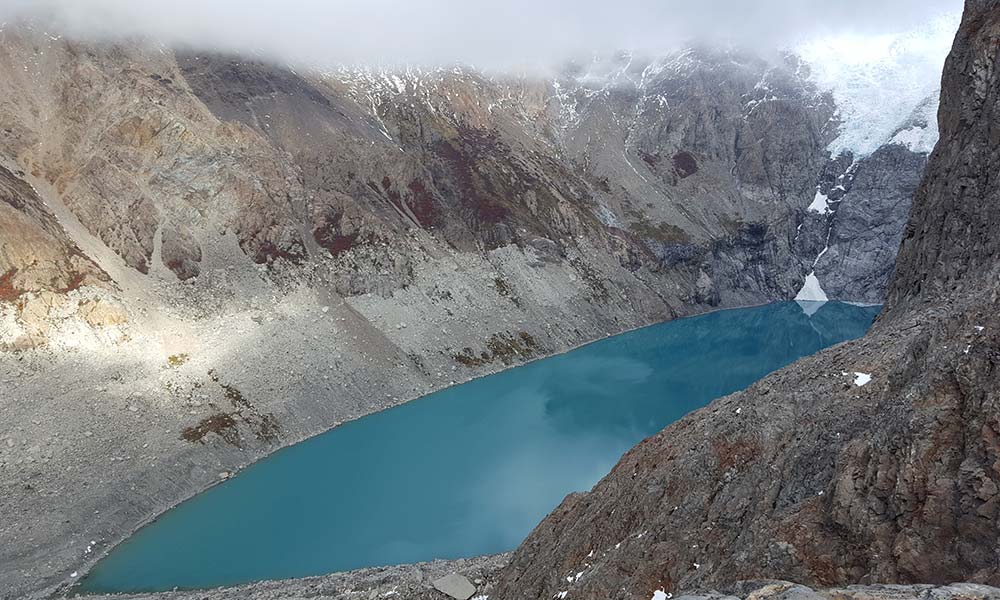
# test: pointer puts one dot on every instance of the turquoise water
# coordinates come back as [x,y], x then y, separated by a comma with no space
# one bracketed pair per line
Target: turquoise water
[469,470]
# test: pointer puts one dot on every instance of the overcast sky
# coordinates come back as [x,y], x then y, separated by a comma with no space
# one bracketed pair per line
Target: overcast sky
[485,33]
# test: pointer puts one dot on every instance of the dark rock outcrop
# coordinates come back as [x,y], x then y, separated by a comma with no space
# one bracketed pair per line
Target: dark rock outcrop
[876,461]
[950,246]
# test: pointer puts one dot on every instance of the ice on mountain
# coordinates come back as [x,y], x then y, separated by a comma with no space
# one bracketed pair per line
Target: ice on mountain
[920,132]
[877,82]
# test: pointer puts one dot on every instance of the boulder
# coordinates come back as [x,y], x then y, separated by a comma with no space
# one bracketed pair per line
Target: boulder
[455,586]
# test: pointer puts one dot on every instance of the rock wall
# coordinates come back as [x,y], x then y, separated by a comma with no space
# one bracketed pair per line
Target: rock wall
[950,243]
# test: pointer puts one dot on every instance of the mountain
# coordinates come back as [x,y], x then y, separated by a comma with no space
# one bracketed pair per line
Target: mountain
[875,461]
[205,258]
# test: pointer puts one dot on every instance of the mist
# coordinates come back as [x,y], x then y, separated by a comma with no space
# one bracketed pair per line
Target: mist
[494,34]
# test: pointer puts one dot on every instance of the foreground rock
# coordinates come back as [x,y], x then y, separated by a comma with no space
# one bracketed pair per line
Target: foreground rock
[455,586]
[411,583]
[783,590]
[876,461]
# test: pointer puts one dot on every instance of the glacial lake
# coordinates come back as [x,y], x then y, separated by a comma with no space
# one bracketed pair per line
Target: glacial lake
[469,470]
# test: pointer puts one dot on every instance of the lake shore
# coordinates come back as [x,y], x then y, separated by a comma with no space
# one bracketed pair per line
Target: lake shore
[169,471]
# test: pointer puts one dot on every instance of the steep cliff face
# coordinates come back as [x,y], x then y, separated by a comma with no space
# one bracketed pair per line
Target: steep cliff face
[950,243]
[876,461]
[864,224]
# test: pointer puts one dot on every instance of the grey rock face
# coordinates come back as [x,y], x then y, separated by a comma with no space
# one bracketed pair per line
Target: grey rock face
[867,225]
[709,157]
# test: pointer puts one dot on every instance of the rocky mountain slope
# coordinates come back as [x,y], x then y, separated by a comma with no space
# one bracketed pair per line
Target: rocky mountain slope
[205,258]
[876,461]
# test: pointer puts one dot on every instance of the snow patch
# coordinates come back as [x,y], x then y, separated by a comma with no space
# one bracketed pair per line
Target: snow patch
[812,291]
[820,204]
[862,379]
[661,595]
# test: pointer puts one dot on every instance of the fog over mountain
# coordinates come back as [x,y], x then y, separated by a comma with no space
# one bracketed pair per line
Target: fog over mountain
[515,33]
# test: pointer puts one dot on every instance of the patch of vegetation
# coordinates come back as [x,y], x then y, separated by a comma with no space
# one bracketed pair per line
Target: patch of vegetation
[665,233]
[505,290]
[504,347]
[232,394]
[745,234]
[418,362]
[177,360]
[650,159]
[330,235]
[221,424]
[685,164]
[265,427]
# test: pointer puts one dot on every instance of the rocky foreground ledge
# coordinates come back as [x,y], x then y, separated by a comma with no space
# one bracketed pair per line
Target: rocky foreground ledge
[415,582]
[783,590]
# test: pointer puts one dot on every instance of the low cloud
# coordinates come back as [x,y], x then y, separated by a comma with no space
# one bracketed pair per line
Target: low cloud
[491,34]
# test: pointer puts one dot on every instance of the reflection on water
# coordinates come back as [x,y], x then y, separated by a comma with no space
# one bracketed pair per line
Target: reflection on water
[468,470]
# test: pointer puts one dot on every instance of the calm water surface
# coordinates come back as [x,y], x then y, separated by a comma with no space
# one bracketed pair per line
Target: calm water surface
[469,470]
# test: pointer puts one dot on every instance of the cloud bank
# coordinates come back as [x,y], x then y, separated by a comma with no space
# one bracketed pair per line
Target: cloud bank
[485,33]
